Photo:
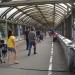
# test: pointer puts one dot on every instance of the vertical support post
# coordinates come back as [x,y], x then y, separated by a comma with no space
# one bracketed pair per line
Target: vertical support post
[54,17]
[73,22]
[19,31]
[68,24]
[65,31]
[6,26]
[62,28]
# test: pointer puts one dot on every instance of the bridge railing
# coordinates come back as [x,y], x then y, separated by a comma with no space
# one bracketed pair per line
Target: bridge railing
[69,50]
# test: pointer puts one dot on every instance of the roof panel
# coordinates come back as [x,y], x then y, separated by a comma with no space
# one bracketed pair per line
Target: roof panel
[3,9]
[44,13]
[17,14]
[57,8]
[69,4]
[22,16]
[11,12]
[21,7]
[63,5]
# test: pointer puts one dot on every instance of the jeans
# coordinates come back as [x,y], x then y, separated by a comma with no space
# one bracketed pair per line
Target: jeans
[27,43]
[32,43]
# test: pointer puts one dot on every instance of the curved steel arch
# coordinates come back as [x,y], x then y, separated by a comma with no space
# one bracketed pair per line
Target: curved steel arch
[59,12]
[49,13]
[30,18]
[20,20]
[27,21]
[30,10]
[13,14]
[59,15]
[24,9]
[16,12]
[68,5]
[45,7]
[58,18]
[27,15]
[22,16]
[25,18]
[64,9]
[18,16]
[36,12]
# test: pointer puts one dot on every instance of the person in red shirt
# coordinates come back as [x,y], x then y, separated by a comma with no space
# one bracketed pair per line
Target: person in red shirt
[55,36]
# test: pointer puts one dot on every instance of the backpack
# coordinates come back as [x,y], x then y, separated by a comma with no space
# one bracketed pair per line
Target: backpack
[4,48]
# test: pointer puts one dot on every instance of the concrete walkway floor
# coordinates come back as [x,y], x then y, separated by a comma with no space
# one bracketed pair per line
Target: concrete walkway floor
[49,60]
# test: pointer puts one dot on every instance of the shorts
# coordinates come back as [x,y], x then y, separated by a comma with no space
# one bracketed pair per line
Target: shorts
[12,50]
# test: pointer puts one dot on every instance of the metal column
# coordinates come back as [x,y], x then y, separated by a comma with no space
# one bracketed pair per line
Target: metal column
[73,22]
[6,31]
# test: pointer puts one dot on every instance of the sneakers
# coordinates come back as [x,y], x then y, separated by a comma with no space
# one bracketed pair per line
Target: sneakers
[28,54]
[35,52]
[16,62]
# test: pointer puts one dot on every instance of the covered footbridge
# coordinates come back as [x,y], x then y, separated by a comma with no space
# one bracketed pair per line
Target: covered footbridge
[52,58]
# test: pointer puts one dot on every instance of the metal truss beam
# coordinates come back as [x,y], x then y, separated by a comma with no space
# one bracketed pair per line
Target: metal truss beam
[42,14]
[34,2]
[30,16]
[9,21]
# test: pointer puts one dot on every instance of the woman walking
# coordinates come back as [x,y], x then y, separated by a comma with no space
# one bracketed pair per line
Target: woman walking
[11,44]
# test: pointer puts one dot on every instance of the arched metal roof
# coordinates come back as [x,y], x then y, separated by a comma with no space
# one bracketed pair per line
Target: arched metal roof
[46,14]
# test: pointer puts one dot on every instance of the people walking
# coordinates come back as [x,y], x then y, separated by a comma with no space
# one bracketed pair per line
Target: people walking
[38,35]
[11,44]
[27,39]
[32,41]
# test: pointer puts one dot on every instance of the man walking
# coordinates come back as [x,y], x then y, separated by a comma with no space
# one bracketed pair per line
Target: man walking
[27,39]
[32,38]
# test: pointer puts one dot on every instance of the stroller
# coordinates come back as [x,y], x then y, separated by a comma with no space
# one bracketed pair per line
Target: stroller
[3,51]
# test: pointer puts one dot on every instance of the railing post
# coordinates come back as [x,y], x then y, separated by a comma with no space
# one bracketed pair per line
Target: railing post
[71,60]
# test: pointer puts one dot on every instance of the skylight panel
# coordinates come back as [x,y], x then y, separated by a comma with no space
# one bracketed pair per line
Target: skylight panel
[21,7]
[11,12]
[63,5]
[17,14]
[3,9]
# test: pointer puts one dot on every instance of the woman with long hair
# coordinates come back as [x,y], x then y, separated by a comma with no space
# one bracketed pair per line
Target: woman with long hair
[11,44]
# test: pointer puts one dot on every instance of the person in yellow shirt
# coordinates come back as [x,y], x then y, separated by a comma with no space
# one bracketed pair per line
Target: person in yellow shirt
[11,44]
